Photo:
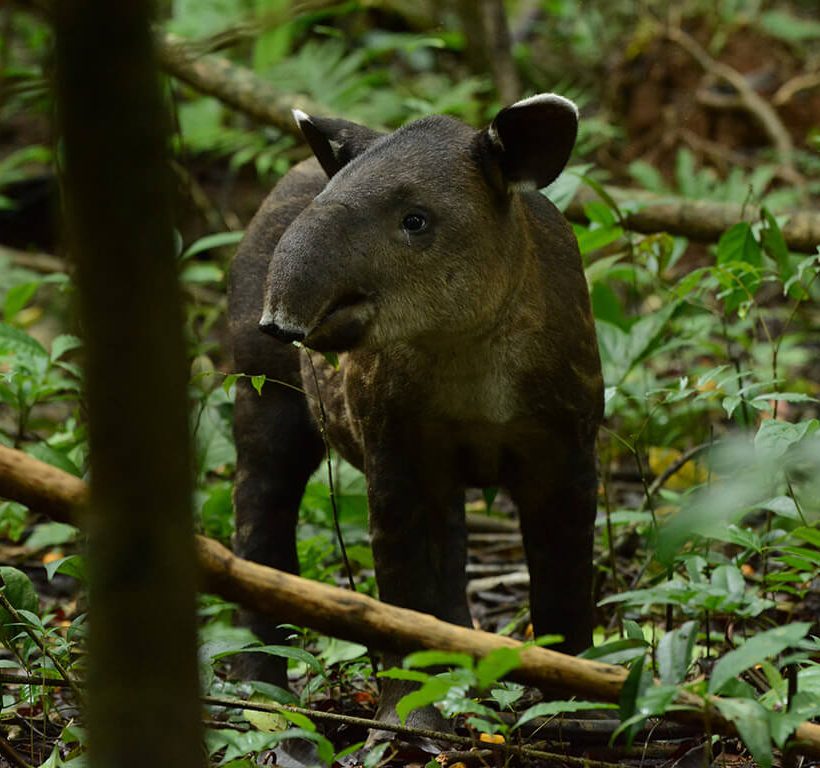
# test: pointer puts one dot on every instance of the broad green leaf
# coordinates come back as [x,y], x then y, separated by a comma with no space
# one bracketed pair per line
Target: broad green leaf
[20,592]
[395,673]
[775,437]
[44,452]
[809,535]
[433,690]
[739,256]
[495,665]
[283,651]
[590,240]
[675,653]
[752,723]
[73,565]
[63,343]
[549,708]
[507,694]
[51,535]
[781,505]
[338,651]
[622,351]
[762,646]
[17,297]
[13,340]
[563,189]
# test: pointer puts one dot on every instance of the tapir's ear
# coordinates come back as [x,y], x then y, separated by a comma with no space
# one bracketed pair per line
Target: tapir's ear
[530,142]
[334,142]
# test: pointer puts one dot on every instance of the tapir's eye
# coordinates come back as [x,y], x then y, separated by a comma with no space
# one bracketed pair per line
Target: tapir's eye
[414,222]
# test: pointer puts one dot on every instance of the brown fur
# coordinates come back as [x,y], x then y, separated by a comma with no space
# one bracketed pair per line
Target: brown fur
[468,356]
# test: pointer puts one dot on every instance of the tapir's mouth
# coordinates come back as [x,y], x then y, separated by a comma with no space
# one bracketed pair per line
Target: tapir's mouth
[344,323]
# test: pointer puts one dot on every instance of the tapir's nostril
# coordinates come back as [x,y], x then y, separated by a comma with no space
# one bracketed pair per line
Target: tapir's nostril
[266,325]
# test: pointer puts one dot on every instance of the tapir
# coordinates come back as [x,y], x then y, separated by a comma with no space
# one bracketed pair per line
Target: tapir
[453,295]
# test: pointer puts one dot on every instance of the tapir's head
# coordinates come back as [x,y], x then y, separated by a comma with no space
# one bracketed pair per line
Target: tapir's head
[417,233]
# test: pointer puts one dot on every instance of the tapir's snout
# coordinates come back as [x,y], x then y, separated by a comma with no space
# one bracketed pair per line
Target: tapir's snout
[341,326]
[286,335]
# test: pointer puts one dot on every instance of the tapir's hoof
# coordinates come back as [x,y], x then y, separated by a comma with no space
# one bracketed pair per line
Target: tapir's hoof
[428,721]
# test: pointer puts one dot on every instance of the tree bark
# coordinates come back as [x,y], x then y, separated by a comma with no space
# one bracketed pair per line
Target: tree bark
[238,87]
[118,203]
[359,618]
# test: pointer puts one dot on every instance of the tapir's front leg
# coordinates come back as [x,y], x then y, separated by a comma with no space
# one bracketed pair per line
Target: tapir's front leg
[556,498]
[277,450]
[419,546]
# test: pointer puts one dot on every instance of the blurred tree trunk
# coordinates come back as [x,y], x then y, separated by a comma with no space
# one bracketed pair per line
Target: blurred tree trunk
[488,45]
[143,686]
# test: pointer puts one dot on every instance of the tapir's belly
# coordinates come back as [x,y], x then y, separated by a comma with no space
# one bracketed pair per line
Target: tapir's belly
[475,452]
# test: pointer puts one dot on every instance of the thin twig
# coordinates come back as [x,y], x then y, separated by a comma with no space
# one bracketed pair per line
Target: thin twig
[18,619]
[749,98]
[402,730]
[12,755]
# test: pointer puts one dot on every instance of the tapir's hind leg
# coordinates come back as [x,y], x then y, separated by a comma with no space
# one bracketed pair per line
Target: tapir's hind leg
[557,506]
[278,448]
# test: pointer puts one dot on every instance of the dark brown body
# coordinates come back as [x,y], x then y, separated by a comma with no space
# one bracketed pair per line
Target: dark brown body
[507,394]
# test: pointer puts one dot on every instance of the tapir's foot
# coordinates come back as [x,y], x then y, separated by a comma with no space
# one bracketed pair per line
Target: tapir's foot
[428,721]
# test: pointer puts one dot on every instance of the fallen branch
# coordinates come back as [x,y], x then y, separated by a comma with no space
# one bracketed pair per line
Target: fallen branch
[236,86]
[699,220]
[356,617]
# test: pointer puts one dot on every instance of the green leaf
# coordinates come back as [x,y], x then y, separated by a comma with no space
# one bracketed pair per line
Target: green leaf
[44,452]
[782,24]
[633,689]
[209,242]
[433,690]
[51,535]
[754,650]
[563,189]
[752,723]
[590,240]
[549,708]
[739,256]
[229,381]
[617,651]
[201,273]
[17,297]
[496,665]
[283,651]
[63,343]
[13,340]
[257,382]
[775,437]
[809,535]
[20,592]
[73,565]
[675,653]
[783,506]
[438,658]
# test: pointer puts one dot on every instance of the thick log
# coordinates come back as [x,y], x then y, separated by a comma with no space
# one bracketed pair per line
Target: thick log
[699,220]
[362,619]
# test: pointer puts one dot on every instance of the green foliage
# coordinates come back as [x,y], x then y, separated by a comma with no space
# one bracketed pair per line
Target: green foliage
[712,347]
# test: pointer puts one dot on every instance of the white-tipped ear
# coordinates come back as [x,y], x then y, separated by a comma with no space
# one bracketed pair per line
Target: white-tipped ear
[532,139]
[300,117]
[334,142]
